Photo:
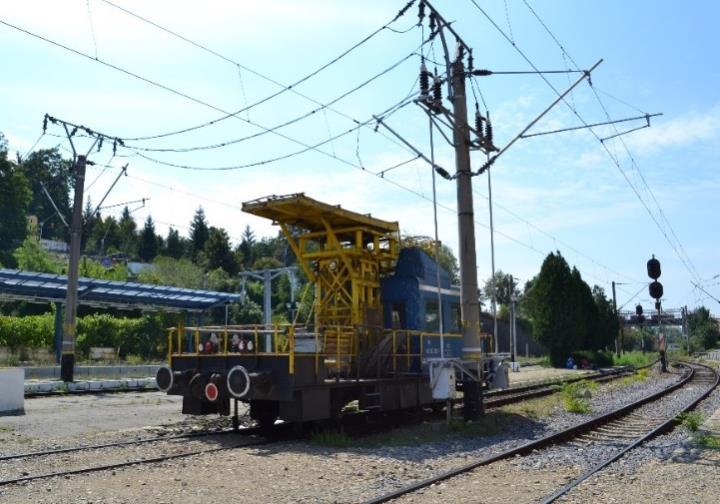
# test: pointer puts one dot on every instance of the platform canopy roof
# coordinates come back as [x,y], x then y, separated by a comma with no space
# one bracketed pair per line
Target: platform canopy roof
[16,285]
[306,213]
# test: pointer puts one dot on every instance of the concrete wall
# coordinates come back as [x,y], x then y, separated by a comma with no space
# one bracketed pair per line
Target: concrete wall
[87,372]
[12,391]
[34,354]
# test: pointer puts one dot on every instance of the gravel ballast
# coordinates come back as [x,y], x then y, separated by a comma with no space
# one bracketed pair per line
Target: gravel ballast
[306,472]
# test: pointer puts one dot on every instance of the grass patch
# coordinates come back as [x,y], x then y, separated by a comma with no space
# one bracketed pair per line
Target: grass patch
[635,359]
[333,439]
[691,420]
[429,432]
[575,396]
[134,360]
[535,409]
[711,442]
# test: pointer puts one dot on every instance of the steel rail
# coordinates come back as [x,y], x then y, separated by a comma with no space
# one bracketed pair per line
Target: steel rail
[548,440]
[248,431]
[517,394]
[117,465]
[55,393]
[665,426]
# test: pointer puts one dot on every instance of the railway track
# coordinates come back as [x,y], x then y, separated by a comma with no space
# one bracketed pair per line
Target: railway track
[618,431]
[169,448]
[170,444]
[510,395]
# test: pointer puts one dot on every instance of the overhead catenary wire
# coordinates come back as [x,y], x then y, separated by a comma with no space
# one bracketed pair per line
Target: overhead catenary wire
[284,89]
[289,122]
[306,148]
[289,88]
[686,261]
[615,160]
[171,90]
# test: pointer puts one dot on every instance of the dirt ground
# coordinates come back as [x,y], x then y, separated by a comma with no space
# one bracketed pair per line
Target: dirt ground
[538,373]
[71,416]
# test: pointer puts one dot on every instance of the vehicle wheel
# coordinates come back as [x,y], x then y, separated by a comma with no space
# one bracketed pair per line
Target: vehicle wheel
[264,412]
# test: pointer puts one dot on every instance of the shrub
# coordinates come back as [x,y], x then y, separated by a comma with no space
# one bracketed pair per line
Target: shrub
[34,331]
[144,337]
[635,359]
[691,420]
[599,359]
[573,399]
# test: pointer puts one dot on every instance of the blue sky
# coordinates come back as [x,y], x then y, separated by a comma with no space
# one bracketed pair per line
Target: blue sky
[561,192]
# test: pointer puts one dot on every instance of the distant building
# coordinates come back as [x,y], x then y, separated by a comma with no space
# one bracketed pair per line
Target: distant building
[57,246]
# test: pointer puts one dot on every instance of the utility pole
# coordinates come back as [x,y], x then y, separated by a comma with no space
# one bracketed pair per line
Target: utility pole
[685,328]
[470,306]
[513,331]
[615,311]
[493,285]
[67,358]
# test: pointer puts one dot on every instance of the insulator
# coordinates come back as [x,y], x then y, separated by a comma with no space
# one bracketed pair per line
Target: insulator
[424,80]
[72,133]
[437,89]
[115,147]
[443,173]
[656,290]
[421,12]
[653,268]
[488,130]
[100,142]
[470,63]
[45,120]
[432,22]
[459,52]
[479,126]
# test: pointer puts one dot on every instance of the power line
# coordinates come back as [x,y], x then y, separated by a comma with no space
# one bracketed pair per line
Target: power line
[239,65]
[171,90]
[687,262]
[289,88]
[610,154]
[285,123]
[306,147]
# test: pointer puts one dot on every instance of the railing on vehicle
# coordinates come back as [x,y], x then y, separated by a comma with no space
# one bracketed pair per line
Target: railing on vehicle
[213,341]
[338,347]
[407,345]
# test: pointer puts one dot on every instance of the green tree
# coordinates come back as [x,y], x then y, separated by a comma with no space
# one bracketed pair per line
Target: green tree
[548,302]
[174,246]
[447,259]
[199,233]
[702,330]
[30,256]
[607,322]
[246,246]
[148,243]
[47,170]
[90,220]
[177,272]
[218,252]
[15,199]
[505,287]
[127,235]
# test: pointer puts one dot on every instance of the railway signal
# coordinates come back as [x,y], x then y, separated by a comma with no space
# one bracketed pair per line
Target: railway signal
[656,292]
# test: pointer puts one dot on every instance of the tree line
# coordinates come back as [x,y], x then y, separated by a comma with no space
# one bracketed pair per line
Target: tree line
[564,313]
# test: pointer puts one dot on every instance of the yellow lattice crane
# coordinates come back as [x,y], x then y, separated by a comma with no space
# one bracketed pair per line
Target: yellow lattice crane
[344,254]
